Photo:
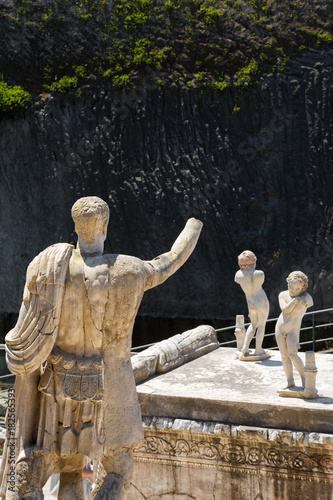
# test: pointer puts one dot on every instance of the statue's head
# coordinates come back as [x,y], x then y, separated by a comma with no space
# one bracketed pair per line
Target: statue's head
[91,217]
[297,283]
[247,260]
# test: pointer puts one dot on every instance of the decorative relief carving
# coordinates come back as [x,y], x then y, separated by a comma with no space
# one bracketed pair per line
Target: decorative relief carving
[235,454]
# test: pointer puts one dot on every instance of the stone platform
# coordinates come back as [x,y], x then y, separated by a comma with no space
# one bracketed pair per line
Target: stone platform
[216,429]
[218,387]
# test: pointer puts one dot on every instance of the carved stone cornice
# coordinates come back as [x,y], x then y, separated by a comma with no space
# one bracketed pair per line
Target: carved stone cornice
[247,451]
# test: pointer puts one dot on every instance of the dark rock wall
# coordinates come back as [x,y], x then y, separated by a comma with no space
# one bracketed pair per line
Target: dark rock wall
[259,179]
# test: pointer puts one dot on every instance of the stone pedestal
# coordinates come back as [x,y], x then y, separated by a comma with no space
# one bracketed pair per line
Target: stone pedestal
[251,356]
[310,369]
[218,430]
[240,331]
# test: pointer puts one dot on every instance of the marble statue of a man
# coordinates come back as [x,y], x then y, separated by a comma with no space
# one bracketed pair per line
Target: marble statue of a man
[78,311]
[251,281]
[294,303]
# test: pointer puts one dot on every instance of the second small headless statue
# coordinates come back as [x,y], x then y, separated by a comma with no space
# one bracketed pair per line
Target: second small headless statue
[294,303]
[251,281]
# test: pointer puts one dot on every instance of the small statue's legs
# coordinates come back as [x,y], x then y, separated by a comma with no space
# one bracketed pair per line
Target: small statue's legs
[292,344]
[259,339]
[286,362]
[298,364]
[288,368]
[261,322]
[248,337]
[71,486]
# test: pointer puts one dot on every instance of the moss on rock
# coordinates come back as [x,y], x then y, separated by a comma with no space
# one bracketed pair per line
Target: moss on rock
[194,43]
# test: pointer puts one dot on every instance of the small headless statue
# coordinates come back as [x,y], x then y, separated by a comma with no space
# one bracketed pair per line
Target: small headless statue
[251,281]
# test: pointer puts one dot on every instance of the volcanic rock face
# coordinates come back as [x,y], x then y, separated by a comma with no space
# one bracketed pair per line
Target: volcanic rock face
[260,179]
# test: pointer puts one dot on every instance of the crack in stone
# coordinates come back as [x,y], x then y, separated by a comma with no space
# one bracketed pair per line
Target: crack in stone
[140,492]
[215,485]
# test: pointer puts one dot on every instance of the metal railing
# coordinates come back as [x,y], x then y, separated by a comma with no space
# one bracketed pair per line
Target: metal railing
[313,327]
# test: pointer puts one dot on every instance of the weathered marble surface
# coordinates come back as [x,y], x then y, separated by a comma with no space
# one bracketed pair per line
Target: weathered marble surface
[215,387]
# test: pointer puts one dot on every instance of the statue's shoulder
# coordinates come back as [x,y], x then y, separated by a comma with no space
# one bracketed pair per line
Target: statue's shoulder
[258,272]
[61,246]
[259,275]
[284,295]
[57,253]
[124,263]
[57,248]
[239,275]
[309,299]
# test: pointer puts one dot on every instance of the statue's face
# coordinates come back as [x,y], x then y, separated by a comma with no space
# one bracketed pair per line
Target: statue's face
[295,288]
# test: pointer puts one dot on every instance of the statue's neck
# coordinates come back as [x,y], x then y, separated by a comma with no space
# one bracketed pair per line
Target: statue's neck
[91,247]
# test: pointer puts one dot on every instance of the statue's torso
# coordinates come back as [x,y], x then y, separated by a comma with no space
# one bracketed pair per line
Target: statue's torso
[251,282]
[101,297]
[83,307]
[291,320]
[90,359]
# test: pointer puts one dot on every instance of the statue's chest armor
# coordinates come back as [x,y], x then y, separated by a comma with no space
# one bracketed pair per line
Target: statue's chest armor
[87,288]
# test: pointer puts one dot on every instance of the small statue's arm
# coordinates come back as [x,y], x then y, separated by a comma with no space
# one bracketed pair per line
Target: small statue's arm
[168,263]
[287,306]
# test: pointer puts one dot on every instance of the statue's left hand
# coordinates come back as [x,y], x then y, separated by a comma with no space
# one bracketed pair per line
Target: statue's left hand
[194,224]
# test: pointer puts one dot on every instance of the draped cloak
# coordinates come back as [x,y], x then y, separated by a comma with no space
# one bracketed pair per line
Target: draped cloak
[30,342]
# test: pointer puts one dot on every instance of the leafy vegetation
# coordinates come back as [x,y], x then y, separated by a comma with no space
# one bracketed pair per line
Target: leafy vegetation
[65,84]
[13,98]
[62,45]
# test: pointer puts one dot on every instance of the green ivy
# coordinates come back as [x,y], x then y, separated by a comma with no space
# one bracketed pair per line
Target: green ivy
[13,98]
[211,14]
[174,4]
[80,71]
[145,55]
[191,42]
[222,86]
[120,81]
[246,76]
[65,84]
[320,39]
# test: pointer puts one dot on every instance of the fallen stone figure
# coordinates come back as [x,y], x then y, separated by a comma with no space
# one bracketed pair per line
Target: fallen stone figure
[173,352]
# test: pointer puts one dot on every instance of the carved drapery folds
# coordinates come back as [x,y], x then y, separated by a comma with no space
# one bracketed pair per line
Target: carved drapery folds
[32,339]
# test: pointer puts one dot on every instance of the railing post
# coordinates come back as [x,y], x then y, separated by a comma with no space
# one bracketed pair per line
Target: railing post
[313,334]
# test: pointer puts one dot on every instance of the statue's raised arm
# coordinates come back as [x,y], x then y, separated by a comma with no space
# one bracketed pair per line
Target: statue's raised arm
[167,264]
